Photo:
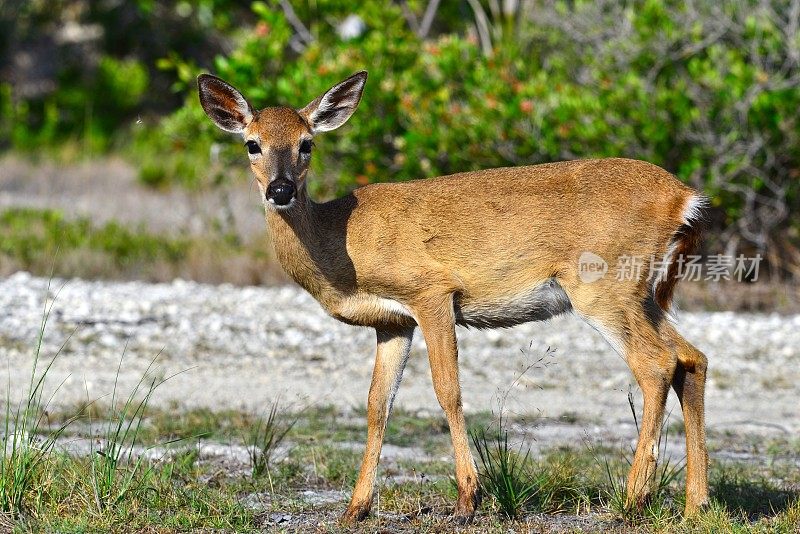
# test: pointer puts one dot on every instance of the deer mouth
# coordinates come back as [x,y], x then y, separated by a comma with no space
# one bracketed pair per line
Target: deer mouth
[281,192]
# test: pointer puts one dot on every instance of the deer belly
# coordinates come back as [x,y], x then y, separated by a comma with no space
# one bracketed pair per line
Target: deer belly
[537,304]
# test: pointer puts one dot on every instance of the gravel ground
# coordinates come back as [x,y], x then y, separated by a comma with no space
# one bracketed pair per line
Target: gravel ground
[242,347]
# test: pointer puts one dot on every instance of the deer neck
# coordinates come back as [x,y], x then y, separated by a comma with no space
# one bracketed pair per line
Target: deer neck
[309,244]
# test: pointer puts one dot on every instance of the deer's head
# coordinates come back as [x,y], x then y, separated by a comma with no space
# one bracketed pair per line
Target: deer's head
[279,140]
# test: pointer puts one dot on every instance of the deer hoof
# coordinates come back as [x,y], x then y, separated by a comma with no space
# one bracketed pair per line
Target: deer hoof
[355,514]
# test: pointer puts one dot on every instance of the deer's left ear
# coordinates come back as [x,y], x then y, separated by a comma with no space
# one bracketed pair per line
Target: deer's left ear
[332,109]
[223,104]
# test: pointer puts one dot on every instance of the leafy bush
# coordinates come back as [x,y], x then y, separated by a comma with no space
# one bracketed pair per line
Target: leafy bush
[87,110]
[708,91]
[81,70]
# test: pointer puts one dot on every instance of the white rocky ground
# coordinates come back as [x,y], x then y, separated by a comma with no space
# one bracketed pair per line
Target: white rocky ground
[243,347]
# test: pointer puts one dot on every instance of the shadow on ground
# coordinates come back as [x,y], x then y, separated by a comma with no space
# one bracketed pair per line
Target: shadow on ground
[753,499]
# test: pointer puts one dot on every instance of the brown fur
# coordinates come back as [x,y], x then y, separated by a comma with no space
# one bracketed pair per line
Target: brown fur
[480,248]
[687,239]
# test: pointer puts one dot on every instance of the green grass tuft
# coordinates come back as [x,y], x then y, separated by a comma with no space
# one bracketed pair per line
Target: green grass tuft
[265,437]
[117,467]
[26,441]
[664,504]
[505,473]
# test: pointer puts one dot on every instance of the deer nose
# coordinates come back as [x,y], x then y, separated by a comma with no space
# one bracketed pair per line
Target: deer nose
[280,192]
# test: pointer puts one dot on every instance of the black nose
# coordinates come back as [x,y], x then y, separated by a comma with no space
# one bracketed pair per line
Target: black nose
[280,192]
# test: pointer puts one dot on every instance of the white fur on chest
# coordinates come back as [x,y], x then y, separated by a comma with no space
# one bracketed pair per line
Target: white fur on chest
[364,308]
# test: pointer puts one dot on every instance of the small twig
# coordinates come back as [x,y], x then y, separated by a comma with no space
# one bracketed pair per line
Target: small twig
[410,17]
[482,25]
[296,23]
[633,409]
[427,18]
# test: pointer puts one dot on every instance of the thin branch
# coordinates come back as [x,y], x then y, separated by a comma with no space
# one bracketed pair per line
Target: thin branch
[427,18]
[410,17]
[482,25]
[297,24]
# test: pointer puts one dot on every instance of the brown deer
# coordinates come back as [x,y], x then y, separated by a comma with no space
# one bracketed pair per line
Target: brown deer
[488,249]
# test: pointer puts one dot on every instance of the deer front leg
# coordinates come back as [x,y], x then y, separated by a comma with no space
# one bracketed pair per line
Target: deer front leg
[437,321]
[390,359]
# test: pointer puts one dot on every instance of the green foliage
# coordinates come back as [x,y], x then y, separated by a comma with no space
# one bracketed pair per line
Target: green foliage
[89,68]
[121,84]
[170,154]
[28,235]
[710,104]
[90,111]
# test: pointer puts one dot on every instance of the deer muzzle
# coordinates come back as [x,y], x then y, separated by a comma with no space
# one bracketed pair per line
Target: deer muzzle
[281,192]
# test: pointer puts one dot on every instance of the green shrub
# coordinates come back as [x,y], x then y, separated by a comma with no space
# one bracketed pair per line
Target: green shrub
[83,70]
[28,235]
[708,90]
[710,93]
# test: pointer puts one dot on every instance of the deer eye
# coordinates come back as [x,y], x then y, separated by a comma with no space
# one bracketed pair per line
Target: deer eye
[305,146]
[252,147]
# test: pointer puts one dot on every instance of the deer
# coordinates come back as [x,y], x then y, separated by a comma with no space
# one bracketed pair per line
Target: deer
[487,249]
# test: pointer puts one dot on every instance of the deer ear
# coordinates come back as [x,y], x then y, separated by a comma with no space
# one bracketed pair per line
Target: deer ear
[332,109]
[224,104]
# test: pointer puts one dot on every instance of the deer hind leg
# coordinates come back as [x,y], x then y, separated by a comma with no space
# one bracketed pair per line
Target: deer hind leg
[437,321]
[390,360]
[689,384]
[653,364]
[636,336]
